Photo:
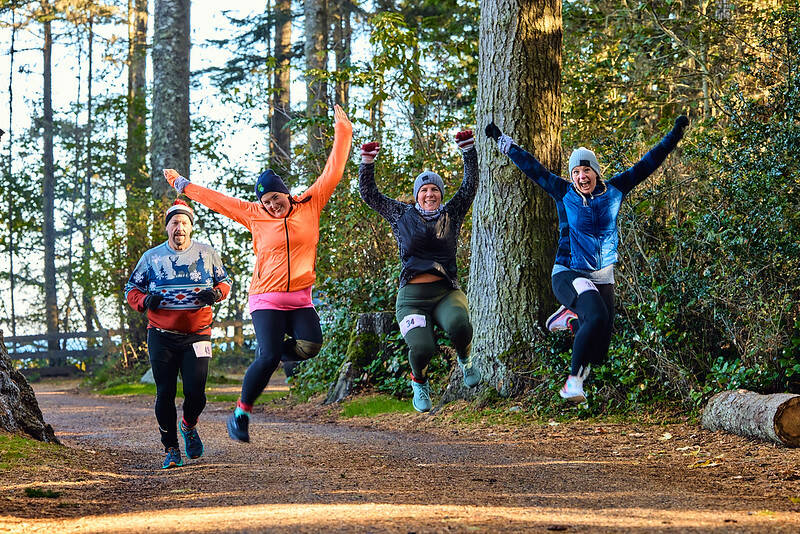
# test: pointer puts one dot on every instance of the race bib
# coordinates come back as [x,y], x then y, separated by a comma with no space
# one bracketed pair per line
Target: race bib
[582,285]
[202,349]
[411,321]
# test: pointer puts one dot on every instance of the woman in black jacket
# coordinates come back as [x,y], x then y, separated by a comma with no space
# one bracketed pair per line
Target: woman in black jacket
[427,236]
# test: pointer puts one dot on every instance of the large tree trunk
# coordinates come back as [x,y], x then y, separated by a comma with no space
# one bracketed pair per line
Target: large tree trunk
[19,410]
[169,146]
[771,417]
[137,177]
[280,143]
[316,50]
[514,223]
[48,189]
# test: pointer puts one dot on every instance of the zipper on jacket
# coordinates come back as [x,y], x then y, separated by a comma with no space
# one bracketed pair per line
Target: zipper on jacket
[288,257]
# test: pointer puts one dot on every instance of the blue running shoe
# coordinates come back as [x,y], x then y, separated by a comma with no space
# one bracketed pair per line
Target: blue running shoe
[192,442]
[237,427]
[173,458]
[471,374]
[422,396]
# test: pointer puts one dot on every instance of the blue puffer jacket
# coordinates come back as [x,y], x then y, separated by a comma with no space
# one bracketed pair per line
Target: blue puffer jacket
[592,219]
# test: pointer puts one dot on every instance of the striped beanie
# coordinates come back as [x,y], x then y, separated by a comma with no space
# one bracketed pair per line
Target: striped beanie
[179,206]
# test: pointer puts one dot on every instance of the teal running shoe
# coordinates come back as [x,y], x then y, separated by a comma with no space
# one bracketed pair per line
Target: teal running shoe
[192,442]
[173,458]
[422,396]
[471,373]
[238,427]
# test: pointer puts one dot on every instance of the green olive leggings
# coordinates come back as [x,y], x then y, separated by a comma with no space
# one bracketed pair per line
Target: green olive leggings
[418,307]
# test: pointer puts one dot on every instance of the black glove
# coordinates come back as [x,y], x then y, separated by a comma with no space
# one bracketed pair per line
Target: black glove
[151,302]
[680,125]
[209,296]
[492,131]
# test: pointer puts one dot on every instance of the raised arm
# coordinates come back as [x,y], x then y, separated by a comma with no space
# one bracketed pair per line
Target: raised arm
[627,180]
[388,208]
[462,200]
[233,208]
[322,189]
[527,163]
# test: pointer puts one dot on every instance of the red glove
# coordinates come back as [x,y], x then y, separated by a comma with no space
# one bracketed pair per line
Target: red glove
[369,151]
[465,140]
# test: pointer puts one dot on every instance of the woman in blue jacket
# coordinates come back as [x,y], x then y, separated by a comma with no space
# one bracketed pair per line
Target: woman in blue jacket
[591,206]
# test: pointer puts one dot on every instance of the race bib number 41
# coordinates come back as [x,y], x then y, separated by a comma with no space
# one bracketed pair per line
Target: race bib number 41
[202,349]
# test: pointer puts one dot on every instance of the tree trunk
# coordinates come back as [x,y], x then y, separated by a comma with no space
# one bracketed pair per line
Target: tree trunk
[137,177]
[87,292]
[316,50]
[514,223]
[19,410]
[169,147]
[280,143]
[11,232]
[48,189]
[342,36]
[770,417]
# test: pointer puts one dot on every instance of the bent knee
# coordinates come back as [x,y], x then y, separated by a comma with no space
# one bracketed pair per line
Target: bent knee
[306,349]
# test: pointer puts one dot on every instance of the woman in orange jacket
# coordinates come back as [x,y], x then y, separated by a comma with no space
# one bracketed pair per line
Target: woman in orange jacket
[285,232]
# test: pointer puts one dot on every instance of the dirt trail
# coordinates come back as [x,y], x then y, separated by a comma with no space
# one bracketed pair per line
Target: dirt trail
[305,471]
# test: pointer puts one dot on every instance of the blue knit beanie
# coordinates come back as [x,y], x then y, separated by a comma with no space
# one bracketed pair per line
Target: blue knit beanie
[267,182]
[428,177]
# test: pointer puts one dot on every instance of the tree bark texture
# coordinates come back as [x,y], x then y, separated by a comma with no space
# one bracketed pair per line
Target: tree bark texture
[770,417]
[280,144]
[316,50]
[367,342]
[137,176]
[514,231]
[342,38]
[169,146]
[19,410]
[48,187]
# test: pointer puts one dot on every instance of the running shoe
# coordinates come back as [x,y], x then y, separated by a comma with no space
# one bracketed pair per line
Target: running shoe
[560,319]
[192,442]
[237,427]
[422,396]
[472,375]
[173,458]
[573,389]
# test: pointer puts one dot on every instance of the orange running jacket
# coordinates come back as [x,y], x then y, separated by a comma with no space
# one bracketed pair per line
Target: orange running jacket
[285,248]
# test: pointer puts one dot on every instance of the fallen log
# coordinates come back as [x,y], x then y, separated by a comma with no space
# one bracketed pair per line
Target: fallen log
[770,417]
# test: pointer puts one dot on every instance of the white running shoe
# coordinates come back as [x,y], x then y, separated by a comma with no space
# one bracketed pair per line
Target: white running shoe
[573,389]
[560,319]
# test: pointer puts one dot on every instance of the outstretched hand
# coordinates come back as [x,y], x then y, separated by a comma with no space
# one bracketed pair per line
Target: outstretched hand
[175,180]
[492,131]
[465,140]
[680,125]
[340,116]
[369,151]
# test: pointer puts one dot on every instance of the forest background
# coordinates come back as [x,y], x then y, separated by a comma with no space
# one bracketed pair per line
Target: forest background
[707,292]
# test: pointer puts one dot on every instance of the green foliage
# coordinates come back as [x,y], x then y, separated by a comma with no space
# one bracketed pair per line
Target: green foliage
[374,405]
[42,493]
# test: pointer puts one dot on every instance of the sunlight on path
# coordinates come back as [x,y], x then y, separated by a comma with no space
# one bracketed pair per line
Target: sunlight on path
[402,518]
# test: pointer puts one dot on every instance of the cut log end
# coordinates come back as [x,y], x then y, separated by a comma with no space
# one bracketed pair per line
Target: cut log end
[787,422]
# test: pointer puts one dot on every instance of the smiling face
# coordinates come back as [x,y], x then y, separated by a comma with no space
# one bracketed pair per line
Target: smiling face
[429,197]
[584,178]
[277,204]
[179,231]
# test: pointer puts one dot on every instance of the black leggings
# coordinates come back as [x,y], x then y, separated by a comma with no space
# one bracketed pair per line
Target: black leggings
[594,305]
[271,326]
[170,354]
